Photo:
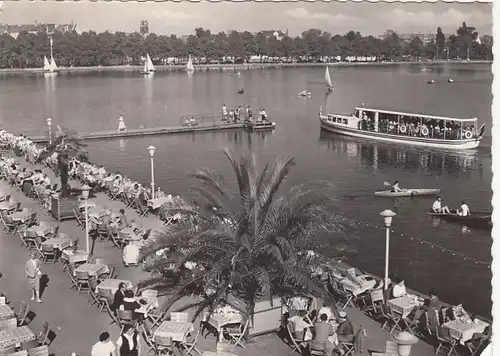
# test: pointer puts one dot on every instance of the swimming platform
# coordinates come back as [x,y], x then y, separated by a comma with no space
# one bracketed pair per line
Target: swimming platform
[222,126]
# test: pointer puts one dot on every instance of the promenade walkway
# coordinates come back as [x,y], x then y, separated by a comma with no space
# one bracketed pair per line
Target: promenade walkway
[78,325]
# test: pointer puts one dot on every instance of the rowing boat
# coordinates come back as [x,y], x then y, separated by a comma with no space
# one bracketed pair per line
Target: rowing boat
[406,193]
[477,219]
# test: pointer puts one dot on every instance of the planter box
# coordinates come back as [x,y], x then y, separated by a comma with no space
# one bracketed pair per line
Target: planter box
[62,209]
[267,318]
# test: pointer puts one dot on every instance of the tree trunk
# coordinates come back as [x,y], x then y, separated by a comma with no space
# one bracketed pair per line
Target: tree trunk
[63,171]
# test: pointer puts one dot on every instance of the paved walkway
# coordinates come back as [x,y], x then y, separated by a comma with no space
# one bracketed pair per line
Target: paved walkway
[78,325]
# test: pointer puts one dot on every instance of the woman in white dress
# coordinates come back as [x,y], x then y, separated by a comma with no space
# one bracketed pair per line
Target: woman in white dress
[121,124]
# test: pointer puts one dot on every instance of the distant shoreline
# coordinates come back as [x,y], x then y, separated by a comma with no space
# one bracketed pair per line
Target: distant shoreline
[211,67]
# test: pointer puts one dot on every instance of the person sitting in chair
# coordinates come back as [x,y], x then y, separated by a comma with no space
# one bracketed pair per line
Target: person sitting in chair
[322,331]
[299,324]
[345,331]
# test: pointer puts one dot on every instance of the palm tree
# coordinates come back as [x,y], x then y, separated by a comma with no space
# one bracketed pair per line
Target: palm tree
[250,243]
[67,146]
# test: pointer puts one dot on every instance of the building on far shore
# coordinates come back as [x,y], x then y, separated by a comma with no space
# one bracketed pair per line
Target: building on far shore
[14,30]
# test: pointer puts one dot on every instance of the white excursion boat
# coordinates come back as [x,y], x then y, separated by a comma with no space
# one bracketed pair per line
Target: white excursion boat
[189,65]
[407,128]
[149,68]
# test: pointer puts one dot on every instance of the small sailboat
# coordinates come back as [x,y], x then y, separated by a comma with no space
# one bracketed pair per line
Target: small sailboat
[304,93]
[46,64]
[149,68]
[431,81]
[328,80]
[189,65]
[53,65]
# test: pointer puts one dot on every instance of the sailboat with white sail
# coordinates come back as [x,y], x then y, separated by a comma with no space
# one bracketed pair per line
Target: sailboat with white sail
[328,80]
[149,68]
[189,65]
[50,66]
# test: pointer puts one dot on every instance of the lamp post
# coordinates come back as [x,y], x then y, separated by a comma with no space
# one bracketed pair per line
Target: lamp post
[49,124]
[388,215]
[85,193]
[405,340]
[152,150]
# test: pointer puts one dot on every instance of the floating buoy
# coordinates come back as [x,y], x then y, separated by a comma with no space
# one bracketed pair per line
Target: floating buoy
[431,81]
[450,80]
[241,91]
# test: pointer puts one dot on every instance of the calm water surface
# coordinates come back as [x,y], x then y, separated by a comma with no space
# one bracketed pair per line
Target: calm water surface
[93,101]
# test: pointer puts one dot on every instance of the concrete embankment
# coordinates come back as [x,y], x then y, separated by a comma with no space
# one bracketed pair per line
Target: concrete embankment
[222,67]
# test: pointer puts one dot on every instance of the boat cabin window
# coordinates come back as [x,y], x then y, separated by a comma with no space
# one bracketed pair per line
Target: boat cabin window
[339,120]
[345,121]
[331,118]
[356,113]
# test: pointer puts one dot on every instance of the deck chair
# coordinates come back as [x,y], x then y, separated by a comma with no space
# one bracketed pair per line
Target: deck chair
[39,351]
[295,344]
[445,341]
[412,321]
[22,313]
[71,270]
[376,301]
[43,336]
[236,335]
[149,339]
[94,298]
[189,347]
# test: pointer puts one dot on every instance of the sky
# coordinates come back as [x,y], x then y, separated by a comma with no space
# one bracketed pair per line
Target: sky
[183,17]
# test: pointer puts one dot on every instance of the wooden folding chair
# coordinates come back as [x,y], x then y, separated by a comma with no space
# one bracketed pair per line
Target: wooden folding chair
[22,313]
[49,253]
[236,336]
[71,270]
[390,317]
[82,281]
[189,347]
[156,316]
[445,341]
[124,317]
[295,344]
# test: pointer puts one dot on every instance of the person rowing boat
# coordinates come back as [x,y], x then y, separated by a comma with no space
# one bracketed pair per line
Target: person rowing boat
[438,208]
[395,187]
[464,210]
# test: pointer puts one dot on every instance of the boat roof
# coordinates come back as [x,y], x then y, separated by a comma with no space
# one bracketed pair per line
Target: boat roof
[415,114]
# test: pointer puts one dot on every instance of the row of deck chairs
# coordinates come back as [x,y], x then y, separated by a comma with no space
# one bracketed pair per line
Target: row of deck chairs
[138,203]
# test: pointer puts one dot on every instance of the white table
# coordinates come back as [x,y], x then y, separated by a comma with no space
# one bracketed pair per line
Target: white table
[93,269]
[112,285]
[463,331]
[58,242]
[404,305]
[75,256]
[175,330]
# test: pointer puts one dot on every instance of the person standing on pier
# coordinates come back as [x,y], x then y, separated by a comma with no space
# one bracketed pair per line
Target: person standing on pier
[249,113]
[121,124]
[224,112]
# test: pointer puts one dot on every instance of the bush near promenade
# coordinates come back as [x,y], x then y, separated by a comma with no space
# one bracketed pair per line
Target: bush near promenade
[106,49]
[256,240]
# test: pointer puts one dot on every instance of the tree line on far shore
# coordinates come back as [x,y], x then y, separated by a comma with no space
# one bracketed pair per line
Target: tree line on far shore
[105,49]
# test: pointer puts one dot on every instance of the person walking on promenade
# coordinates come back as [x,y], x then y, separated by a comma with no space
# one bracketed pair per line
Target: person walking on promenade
[128,342]
[33,273]
[104,347]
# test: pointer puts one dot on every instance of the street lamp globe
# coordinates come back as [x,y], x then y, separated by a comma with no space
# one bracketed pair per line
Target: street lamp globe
[49,121]
[388,215]
[151,150]
[85,191]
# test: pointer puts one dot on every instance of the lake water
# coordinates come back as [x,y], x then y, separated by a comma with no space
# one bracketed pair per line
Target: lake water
[93,101]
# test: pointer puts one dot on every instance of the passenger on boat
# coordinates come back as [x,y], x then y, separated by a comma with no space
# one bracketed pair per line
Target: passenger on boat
[438,208]
[263,115]
[224,112]
[249,112]
[231,115]
[464,210]
[240,112]
[396,188]
[192,121]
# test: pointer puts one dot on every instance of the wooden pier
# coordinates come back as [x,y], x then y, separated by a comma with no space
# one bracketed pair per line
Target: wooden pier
[102,135]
